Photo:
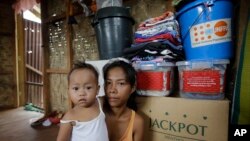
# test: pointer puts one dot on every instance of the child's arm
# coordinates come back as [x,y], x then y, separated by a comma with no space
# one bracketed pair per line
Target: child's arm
[139,128]
[65,130]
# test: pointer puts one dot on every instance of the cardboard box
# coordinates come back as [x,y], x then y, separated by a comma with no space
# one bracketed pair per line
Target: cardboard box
[179,119]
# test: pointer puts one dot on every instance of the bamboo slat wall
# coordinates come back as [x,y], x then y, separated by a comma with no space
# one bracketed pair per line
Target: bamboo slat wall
[34,63]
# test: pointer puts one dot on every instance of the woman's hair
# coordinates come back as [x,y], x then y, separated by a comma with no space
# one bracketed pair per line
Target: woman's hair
[130,77]
[83,65]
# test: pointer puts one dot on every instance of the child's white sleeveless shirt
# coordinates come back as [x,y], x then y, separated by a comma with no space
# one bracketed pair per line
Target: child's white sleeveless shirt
[94,130]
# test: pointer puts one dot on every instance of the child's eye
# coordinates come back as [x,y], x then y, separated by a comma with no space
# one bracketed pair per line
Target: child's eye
[75,88]
[88,88]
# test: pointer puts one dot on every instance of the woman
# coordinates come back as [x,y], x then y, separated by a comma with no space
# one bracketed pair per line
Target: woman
[123,123]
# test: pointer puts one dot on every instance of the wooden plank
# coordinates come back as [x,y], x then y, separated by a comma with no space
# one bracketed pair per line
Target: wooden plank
[45,45]
[34,83]
[69,38]
[34,70]
[21,89]
[58,71]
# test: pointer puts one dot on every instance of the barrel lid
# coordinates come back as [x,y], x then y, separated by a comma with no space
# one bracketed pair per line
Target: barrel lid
[113,11]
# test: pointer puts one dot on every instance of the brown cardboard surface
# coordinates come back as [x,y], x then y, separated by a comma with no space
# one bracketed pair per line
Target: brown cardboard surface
[179,119]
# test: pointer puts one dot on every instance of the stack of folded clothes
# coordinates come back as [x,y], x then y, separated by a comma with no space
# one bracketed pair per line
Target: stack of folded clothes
[157,39]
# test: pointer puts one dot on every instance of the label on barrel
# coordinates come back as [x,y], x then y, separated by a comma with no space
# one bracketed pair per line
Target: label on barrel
[212,32]
[204,81]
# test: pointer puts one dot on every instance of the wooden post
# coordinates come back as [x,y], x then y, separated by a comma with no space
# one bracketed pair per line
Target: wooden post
[45,45]
[20,61]
[69,39]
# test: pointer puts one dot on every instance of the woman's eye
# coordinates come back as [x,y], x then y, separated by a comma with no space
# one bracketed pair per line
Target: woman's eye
[121,83]
[108,83]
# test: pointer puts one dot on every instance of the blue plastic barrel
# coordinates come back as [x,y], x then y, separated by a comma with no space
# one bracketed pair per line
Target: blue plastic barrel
[206,29]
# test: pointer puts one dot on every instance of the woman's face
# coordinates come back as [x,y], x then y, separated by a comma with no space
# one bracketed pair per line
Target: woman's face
[117,88]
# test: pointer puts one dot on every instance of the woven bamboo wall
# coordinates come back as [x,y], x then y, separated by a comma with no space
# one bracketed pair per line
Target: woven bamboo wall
[58,92]
[144,9]
[84,40]
[56,7]
[58,45]
[7,57]
[58,60]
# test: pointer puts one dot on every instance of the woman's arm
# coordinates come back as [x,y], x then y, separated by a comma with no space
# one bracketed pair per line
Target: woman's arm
[138,128]
[64,133]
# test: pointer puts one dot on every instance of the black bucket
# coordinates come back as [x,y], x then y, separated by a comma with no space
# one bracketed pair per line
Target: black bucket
[114,31]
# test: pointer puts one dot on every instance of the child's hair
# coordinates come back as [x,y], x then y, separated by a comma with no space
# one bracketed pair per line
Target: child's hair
[84,65]
[130,77]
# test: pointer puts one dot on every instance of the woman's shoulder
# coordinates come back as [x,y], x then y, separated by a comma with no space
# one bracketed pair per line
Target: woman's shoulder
[138,119]
[138,127]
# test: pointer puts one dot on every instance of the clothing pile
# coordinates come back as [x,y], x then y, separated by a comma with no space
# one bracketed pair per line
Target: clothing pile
[157,39]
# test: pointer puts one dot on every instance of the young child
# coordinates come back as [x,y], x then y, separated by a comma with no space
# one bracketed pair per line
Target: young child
[123,123]
[86,120]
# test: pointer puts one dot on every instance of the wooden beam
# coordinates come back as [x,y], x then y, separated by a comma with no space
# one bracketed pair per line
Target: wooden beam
[58,71]
[36,13]
[21,71]
[34,70]
[34,83]
[69,38]
[45,45]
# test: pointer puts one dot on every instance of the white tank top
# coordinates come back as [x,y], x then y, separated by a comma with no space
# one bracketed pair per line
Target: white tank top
[94,130]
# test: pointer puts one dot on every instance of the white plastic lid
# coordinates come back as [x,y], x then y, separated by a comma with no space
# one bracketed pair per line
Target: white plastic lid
[151,65]
[165,64]
[216,61]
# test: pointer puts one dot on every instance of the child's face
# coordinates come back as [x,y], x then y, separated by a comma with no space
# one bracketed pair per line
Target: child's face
[83,87]
[117,88]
